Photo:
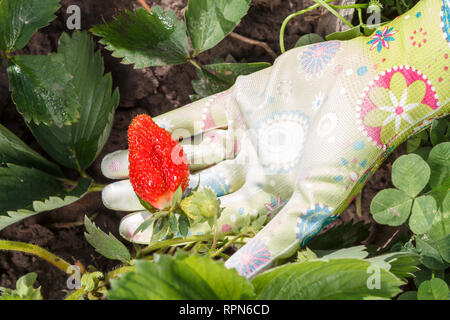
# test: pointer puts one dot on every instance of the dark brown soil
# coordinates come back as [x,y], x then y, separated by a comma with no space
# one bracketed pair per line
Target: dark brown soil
[153,91]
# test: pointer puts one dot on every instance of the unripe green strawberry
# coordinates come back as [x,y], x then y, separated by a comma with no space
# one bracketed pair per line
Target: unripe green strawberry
[202,203]
[188,208]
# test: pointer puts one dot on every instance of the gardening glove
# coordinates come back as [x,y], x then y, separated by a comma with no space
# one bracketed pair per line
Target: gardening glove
[297,141]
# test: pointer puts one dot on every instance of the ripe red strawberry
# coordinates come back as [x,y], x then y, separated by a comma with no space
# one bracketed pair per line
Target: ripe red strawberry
[157,163]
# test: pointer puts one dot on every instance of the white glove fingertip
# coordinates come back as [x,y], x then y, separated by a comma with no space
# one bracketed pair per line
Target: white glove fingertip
[131,222]
[120,196]
[115,165]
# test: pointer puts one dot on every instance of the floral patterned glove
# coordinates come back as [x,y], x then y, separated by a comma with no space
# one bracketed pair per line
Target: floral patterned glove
[298,141]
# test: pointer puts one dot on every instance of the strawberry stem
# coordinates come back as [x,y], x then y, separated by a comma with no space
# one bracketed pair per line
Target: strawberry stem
[285,22]
[77,294]
[333,11]
[117,272]
[359,204]
[173,242]
[195,64]
[96,187]
[229,243]
[58,262]
[332,8]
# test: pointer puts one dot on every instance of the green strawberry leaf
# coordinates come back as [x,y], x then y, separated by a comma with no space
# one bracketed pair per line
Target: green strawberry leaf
[147,205]
[402,264]
[20,19]
[439,161]
[228,72]
[219,77]
[434,289]
[324,280]
[411,174]
[15,151]
[107,245]
[144,226]
[357,252]
[423,212]
[308,39]
[146,39]
[209,21]
[160,229]
[24,289]
[176,198]
[183,225]
[43,90]
[391,207]
[181,278]
[173,224]
[25,192]
[76,146]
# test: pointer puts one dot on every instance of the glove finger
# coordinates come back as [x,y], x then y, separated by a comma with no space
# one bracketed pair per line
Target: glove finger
[131,222]
[200,116]
[224,178]
[120,196]
[239,208]
[115,165]
[211,148]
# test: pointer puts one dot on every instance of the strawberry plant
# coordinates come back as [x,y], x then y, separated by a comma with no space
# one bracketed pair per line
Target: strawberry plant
[166,40]
[68,104]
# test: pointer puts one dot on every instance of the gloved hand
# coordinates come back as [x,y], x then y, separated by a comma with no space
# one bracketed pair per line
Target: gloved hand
[302,137]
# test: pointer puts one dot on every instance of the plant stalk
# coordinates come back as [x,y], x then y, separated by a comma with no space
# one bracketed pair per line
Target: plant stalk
[228,244]
[359,204]
[76,295]
[117,272]
[195,64]
[360,19]
[293,15]
[325,3]
[172,242]
[337,14]
[37,251]
[96,187]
